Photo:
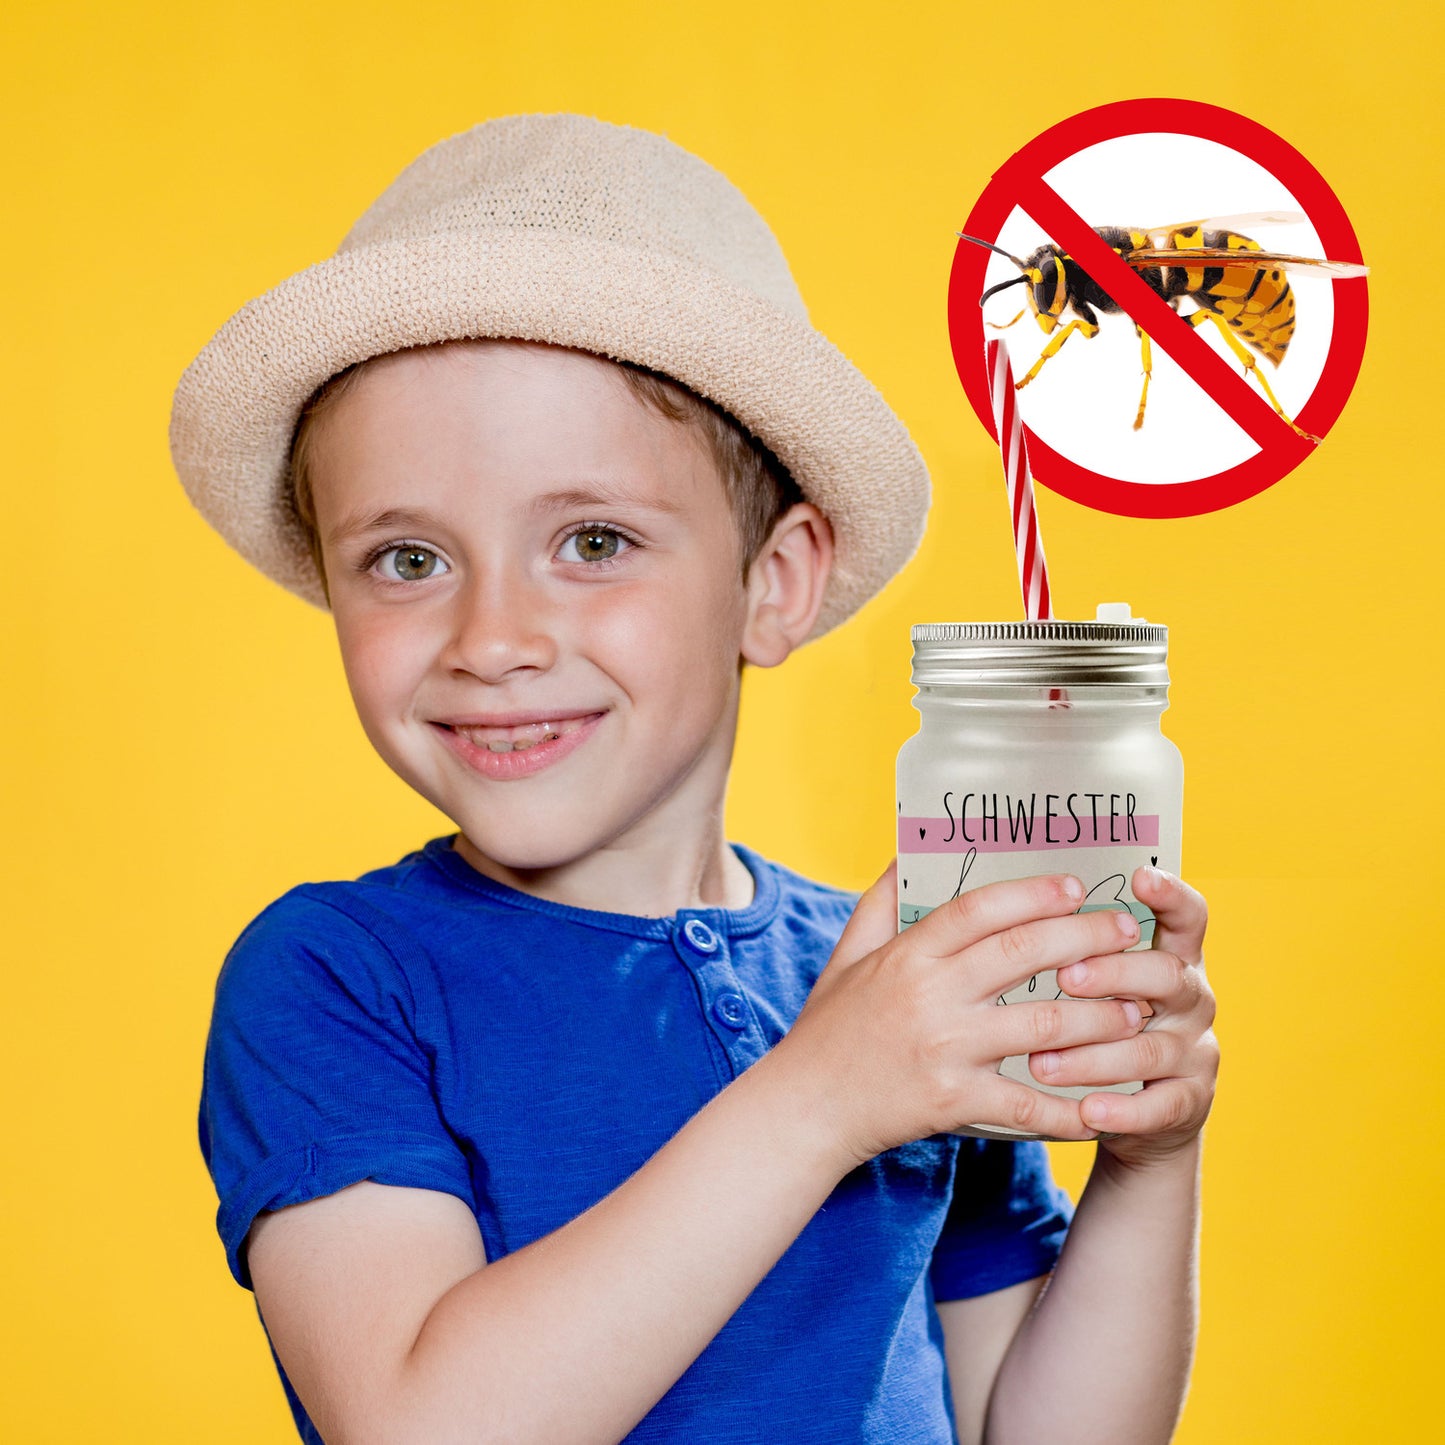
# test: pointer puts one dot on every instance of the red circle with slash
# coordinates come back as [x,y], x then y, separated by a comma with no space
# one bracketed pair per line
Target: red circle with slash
[1020,182]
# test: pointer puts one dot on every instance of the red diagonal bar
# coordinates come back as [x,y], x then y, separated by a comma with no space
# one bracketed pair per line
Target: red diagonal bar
[1220,381]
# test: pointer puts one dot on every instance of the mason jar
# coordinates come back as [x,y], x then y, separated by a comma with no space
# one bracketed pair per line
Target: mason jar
[1038,750]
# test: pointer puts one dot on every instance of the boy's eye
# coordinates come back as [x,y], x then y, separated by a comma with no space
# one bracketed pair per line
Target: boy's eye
[593,544]
[410,563]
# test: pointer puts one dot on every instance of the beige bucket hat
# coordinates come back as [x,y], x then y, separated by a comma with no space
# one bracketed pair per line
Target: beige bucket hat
[568,230]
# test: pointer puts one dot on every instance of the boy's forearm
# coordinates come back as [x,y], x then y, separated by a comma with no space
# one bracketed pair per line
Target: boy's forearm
[1105,1356]
[578,1335]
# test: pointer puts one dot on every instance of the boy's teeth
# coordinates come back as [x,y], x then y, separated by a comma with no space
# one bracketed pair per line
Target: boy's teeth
[520,745]
[519,739]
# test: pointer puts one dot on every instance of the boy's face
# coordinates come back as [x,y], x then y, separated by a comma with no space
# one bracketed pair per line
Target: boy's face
[537,587]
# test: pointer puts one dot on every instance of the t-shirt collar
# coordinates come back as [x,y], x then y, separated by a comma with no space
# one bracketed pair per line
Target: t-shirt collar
[732,922]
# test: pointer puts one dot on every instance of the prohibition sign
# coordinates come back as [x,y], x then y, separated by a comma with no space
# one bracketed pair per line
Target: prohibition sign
[1020,182]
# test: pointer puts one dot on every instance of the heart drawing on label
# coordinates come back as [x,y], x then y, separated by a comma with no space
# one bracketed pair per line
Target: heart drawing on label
[1154,859]
[922,831]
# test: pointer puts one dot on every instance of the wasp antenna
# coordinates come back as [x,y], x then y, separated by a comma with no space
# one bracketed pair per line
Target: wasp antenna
[1002,286]
[989,245]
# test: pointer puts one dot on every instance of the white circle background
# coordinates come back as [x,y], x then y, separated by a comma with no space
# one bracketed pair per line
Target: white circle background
[1083,402]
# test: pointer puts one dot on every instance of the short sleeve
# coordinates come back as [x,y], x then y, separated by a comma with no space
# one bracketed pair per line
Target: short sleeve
[1006,1221]
[314,1075]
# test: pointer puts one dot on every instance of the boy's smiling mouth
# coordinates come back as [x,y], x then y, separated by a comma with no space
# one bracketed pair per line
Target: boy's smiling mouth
[502,739]
[507,747]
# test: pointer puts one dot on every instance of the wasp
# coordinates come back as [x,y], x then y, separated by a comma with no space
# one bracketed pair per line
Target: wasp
[1232,280]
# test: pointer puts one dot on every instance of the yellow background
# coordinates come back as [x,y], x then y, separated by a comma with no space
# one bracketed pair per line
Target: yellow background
[181,748]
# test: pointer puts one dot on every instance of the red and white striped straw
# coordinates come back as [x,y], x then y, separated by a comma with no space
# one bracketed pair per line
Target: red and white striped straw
[1033,570]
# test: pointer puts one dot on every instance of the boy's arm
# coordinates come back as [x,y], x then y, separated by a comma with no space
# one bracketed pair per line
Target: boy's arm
[392,1329]
[1105,1354]
[976,1335]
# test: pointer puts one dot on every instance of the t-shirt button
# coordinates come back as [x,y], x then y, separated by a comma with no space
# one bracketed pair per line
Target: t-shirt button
[699,935]
[728,1008]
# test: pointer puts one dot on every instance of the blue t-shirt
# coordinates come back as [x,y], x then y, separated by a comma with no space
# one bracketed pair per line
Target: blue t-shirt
[425,1026]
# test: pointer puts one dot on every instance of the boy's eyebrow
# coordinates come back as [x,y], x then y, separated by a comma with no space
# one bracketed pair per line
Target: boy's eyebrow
[393,519]
[602,494]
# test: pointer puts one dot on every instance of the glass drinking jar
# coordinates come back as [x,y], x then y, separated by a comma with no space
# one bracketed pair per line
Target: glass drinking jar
[1038,751]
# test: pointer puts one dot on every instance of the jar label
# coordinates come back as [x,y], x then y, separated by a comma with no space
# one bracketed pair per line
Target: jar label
[986,837]
[980,837]
[1027,822]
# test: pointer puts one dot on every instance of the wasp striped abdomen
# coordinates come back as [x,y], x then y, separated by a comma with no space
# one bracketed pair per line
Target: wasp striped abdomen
[1256,303]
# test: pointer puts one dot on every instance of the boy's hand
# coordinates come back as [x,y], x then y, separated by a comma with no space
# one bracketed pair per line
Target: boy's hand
[1176,1054]
[902,1037]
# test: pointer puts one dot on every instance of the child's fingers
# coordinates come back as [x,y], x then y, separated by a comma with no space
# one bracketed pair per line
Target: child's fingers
[1068,1024]
[1165,981]
[874,920]
[983,912]
[1004,959]
[1150,1054]
[1167,1107]
[1176,1042]
[1000,1102]
[1180,913]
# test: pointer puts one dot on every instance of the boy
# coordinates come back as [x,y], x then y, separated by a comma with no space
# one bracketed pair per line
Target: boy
[584,1125]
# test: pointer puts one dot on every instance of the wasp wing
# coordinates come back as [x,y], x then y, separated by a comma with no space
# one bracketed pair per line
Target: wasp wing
[1159,235]
[1255,260]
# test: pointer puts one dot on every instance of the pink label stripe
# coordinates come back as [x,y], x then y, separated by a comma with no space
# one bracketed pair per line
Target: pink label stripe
[1014,835]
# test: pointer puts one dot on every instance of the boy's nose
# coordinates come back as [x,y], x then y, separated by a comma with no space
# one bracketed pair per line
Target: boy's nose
[503,625]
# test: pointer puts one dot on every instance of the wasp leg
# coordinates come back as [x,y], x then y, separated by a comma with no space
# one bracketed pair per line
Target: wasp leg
[1090,330]
[1198,318]
[1146,356]
[1005,326]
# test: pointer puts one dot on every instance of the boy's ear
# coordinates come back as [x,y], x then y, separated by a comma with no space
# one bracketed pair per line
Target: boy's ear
[786,583]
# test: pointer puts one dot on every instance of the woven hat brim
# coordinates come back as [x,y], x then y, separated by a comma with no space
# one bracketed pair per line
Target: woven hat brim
[236,407]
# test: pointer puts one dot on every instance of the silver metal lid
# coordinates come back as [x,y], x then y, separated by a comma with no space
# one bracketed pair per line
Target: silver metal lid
[1043,654]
